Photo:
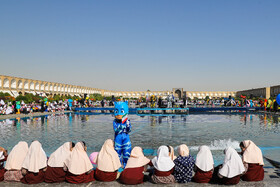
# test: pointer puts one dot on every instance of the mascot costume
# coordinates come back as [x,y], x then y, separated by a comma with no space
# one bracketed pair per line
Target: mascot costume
[122,127]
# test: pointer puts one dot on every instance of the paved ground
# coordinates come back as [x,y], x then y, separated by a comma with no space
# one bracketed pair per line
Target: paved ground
[272,178]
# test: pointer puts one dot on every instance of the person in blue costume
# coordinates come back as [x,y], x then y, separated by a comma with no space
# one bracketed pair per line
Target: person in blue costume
[122,127]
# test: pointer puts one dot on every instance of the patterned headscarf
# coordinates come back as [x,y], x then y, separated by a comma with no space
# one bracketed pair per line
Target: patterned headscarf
[183,167]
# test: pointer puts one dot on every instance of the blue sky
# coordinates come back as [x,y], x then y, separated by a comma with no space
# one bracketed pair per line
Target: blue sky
[199,45]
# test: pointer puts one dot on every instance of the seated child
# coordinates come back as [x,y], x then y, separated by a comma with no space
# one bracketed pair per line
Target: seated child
[34,164]
[55,172]
[108,162]
[136,165]
[3,158]
[252,160]
[78,166]
[232,168]
[184,165]
[171,153]
[204,165]
[164,167]
[15,161]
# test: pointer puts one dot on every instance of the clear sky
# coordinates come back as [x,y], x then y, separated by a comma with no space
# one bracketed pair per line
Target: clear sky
[199,45]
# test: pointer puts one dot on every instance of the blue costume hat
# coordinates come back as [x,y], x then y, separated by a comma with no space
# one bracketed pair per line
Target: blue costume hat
[121,108]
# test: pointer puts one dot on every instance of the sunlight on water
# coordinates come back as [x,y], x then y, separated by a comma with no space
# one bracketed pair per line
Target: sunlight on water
[218,131]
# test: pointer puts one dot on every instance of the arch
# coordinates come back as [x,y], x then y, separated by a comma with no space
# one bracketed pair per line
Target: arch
[51,87]
[0,83]
[46,87]
[32,86]
[6,83]
[37,86]
[55,87]
[178,93]
[13,84]
[58,88]
[26,85]
[42,87]
[19,84]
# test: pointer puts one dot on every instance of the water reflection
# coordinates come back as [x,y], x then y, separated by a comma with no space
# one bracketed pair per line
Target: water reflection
[194,130]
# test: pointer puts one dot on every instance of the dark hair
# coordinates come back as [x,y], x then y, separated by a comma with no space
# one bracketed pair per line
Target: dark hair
[73,144]
[169,148]
[241,144]
[84,143]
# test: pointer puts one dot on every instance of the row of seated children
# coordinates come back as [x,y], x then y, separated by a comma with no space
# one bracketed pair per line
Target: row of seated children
[71,163]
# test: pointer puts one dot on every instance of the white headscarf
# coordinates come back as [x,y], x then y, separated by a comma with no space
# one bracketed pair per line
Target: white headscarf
[108,159]
[137,158]
[78,162]
[58,157]
[252,153]
[17,156]
[232,165]
[204,159]
[162,162]
[36,158]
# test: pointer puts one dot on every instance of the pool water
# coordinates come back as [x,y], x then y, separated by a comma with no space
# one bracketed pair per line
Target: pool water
[218,131]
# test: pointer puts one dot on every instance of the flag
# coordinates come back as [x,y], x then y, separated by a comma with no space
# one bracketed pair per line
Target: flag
[124,118]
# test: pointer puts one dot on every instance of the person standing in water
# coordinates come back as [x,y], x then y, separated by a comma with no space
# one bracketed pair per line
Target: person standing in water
[122,127]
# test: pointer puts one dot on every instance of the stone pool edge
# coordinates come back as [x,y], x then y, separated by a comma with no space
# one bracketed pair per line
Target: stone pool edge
[271,179]
[14,116]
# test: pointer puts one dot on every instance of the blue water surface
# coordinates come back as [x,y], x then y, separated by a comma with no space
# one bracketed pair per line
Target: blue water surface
[218,131]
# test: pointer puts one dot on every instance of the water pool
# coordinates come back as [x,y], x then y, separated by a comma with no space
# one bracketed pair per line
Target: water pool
[216,130]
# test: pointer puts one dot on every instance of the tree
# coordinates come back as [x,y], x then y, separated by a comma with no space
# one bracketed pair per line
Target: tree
[97,97]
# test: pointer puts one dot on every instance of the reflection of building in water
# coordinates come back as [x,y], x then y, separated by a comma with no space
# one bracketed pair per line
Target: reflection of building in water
[153,120]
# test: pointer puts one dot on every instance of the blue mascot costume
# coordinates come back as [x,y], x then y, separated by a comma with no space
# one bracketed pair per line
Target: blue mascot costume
[122,127]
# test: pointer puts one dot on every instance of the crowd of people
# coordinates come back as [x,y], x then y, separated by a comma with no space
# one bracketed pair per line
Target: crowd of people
[20,107]
[70,163]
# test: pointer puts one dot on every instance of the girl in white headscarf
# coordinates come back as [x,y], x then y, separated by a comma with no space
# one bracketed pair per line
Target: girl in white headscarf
[108,162]
[232,168]
[34,164]
[204,165]
[55,172]
[252,160]
[183,165]
[164,166]
[15,161]
[135,167]
[78,165]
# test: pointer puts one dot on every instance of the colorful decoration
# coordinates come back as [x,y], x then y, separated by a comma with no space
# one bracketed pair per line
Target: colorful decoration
[92,157]
[278,99]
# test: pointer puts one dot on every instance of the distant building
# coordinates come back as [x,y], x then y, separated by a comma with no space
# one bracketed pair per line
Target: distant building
[265,92]
[16,86]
